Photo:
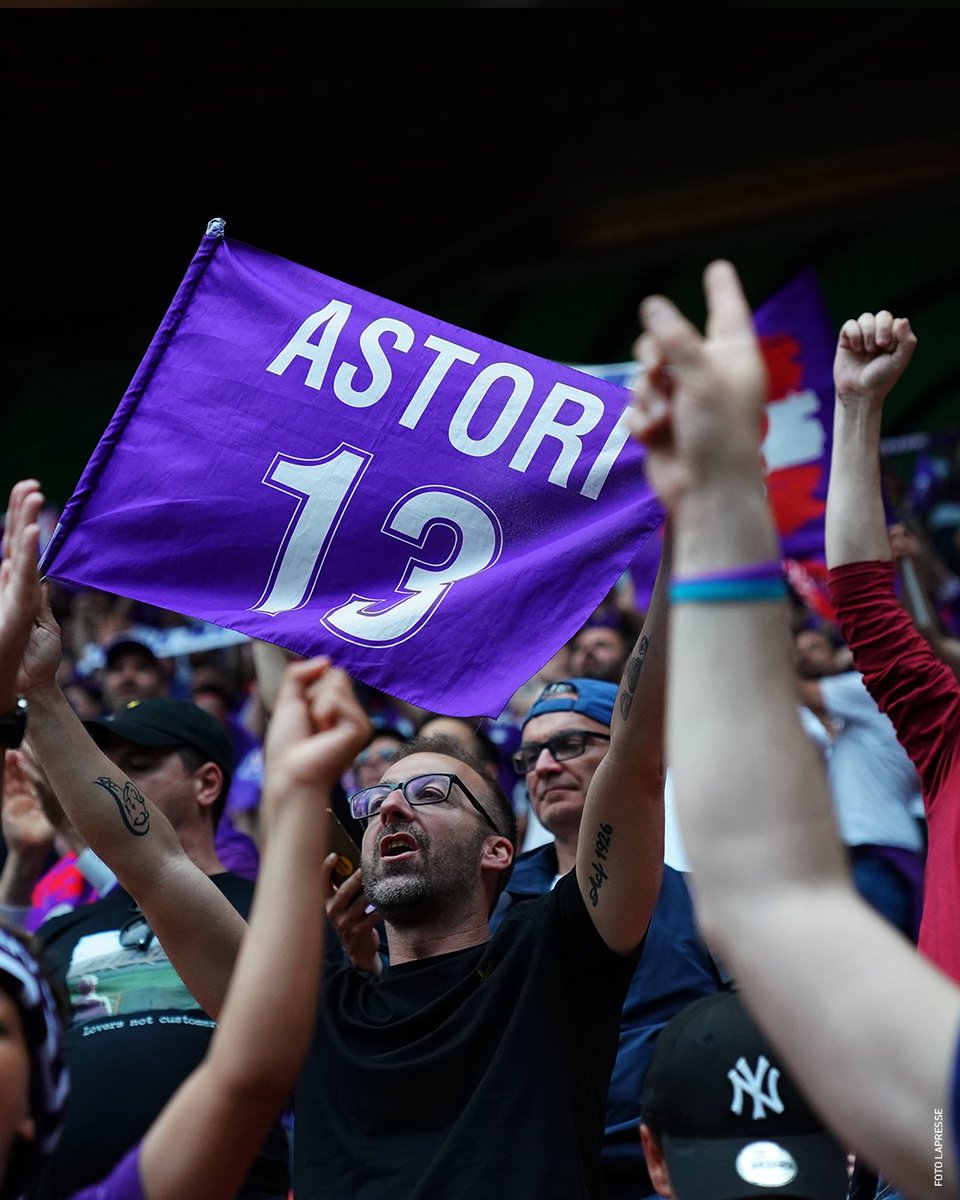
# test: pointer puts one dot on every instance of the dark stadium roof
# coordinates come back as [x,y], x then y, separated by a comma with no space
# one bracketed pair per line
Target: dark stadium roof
[527,175]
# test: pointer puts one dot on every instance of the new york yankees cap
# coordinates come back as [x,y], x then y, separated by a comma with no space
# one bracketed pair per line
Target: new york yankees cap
[731,1122]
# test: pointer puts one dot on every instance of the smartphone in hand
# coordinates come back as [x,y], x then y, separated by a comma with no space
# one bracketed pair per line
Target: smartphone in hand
[346,849]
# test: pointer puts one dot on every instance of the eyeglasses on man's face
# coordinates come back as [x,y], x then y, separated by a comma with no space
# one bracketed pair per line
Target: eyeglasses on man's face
[562,746]
[420,790]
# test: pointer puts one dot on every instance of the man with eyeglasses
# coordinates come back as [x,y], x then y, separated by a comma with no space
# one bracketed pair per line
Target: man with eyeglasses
[473,1065]
[477,1064]
[566,739]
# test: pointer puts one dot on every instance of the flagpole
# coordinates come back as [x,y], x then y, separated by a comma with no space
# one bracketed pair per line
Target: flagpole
[73,510]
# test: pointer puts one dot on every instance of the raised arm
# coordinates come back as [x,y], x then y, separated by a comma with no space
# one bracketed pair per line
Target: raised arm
[28,837]
[202,1144]
[620,848]
[19,600]
[905,676]
[872,353]
[921,572]
[270,662]
[858,1015]
[19,586]
[197,925]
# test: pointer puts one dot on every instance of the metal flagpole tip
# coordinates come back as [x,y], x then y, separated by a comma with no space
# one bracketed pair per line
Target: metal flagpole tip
[216,226]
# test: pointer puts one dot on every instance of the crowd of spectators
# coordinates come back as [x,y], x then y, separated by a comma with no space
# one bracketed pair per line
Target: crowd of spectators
[115,651]
[143,680]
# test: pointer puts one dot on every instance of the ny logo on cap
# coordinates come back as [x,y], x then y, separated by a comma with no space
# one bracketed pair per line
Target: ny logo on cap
[750,1083]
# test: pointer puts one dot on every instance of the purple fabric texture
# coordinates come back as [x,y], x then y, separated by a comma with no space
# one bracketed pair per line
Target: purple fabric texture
[123,1182]
[799,339]
[321,468]
[61,886]
[236,850]
[798,342]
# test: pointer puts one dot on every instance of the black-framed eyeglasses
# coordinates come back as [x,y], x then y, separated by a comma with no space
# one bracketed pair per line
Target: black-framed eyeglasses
[136,934]
[421,789]
[562,746]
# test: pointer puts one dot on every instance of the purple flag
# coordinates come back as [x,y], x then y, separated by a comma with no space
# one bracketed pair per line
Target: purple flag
[321,468]
[798,341]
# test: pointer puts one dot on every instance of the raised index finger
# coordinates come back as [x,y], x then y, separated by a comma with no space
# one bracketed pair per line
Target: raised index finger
[728,313]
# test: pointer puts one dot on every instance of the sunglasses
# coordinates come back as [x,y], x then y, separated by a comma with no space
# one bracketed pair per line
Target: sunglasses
[367,758]
[562,746]
[420,790]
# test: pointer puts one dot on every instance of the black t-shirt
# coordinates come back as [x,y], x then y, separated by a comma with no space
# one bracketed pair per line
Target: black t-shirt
[136,1035]
[481,1073]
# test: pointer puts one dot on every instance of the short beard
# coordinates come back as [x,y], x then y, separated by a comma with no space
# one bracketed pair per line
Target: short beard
[406,901]
[403,903]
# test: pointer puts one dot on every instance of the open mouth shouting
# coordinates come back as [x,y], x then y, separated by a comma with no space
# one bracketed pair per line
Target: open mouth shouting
[397,846]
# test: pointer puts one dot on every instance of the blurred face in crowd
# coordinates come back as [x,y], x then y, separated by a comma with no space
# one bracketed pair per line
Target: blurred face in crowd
[814,654]
[417,858]
[161,774]
[213,702]
[558,789]
[15,1119]
[131,675]
[598,653]
[461,731]
[83,703]
[371,762]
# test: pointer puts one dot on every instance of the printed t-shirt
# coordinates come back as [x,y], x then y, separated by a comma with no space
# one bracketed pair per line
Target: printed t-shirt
[136,1034]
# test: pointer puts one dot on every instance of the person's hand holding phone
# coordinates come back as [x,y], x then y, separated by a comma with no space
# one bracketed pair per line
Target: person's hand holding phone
[353,918]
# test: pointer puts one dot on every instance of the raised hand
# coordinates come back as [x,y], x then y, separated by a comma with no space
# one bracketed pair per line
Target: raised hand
[43,651]
[24,823]
[27,834]
[355,927]
[903,543]
[317,729]
[19,583]
[873,351]
[699,400]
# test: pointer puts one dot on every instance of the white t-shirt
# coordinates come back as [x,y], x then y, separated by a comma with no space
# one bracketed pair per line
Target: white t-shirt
[874,784]
[674,855]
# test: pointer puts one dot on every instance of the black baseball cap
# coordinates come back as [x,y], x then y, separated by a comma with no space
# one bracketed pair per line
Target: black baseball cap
[163,722]
[124,643]
[731,1122]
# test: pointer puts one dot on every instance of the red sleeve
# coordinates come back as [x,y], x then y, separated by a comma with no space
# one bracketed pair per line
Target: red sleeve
[910,684]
